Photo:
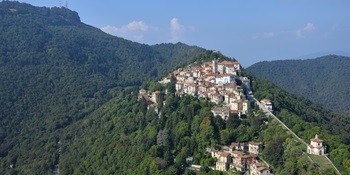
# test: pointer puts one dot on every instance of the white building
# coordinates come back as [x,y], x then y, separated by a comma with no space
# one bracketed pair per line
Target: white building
[223,112]
[267,104]
[316,146]
[254,147]
[179,86]
[225,79]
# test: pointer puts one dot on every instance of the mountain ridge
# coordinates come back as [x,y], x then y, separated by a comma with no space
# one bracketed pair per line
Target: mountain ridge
[56,70]
[323,80]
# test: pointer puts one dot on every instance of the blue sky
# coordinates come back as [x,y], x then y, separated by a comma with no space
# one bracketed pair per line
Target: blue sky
[250,31]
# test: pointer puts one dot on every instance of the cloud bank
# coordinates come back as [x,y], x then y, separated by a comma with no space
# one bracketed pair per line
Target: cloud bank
[138,30]
[134,30]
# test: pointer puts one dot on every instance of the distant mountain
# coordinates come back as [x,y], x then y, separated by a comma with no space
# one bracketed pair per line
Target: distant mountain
[323,80]
[55,70]
[321,54]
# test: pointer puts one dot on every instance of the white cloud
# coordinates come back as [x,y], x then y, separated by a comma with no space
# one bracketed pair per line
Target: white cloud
[308,28]
[135,25]
[110,29]
[176,30]
[134,30]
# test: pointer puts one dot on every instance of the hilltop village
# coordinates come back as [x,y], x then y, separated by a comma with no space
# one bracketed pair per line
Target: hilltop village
[222,84]
[219,82]
[216,81]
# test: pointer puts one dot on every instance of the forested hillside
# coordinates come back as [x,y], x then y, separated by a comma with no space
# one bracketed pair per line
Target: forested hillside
[55,70]
[307,119]
[124,133]
[324,80]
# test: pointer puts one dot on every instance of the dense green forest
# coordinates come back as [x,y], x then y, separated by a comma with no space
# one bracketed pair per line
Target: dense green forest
[56,70]
[123,133]
[307,119]
[324,80]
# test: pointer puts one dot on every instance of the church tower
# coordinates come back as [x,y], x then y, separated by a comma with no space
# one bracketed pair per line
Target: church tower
[215,66]
[317,146]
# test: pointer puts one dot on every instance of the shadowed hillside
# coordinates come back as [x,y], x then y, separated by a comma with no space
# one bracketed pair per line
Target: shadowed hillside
[324,80]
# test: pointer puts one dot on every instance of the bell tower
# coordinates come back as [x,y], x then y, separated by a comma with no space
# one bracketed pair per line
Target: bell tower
[215,66]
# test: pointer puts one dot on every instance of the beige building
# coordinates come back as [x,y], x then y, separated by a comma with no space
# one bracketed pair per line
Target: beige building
[223,112]
[254,147]
[259,168]
[223,162]
[237,146]
[155,96]
[316,146]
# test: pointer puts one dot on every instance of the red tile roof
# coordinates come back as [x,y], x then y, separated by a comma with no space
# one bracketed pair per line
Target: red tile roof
[224,154]
[317,140]
[156,92]
[228,63]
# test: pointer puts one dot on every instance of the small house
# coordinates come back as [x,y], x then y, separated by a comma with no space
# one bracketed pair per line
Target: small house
[316,146]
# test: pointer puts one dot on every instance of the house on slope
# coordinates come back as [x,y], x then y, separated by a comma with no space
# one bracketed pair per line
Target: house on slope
[259,168]
[267,104]
[254,147]
[316,147]
[237,146]
[223,112]
[223,162]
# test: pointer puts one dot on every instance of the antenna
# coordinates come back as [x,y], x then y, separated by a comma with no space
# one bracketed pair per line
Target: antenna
[66,3]
[60,3]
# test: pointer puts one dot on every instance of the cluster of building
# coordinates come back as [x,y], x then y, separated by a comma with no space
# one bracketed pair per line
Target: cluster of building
[215,81]
[151,98]
[240,156]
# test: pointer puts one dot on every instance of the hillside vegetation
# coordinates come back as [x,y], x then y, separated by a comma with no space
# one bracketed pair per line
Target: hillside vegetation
[307,119]
[324,80]
[56,70]
[123,133]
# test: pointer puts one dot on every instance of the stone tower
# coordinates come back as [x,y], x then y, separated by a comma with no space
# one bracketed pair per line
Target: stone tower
[215,66]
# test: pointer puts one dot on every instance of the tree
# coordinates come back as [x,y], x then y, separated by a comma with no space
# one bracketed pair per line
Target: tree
[163,138]
[273,152]
[233,122]
[225,137]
